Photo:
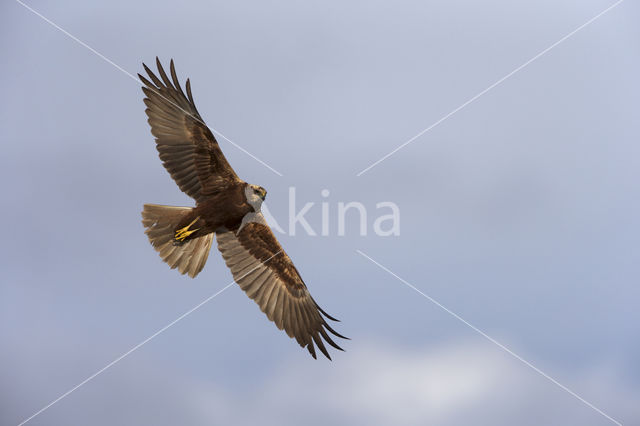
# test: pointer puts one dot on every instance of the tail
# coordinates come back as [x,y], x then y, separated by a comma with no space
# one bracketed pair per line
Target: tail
[161,222]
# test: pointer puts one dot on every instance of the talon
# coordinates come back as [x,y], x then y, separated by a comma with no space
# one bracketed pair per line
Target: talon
[183,233]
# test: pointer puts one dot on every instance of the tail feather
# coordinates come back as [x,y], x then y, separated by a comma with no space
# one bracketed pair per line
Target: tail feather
[160,223]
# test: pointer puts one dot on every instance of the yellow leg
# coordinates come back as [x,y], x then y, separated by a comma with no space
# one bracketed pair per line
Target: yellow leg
[183,233]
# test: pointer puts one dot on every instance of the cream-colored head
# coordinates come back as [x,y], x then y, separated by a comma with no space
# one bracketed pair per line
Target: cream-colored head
[255,196]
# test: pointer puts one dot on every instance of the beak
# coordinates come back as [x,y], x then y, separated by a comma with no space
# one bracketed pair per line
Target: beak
[264,194]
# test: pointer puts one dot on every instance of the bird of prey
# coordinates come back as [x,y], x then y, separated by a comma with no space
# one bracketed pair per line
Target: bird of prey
[227,207]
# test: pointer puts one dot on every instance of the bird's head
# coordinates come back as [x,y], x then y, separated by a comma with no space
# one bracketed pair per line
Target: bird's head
[255,195]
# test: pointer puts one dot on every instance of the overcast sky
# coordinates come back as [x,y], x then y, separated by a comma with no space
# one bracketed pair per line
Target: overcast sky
[520,213]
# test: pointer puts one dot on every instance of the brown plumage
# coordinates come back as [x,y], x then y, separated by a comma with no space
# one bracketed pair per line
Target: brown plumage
[227,207]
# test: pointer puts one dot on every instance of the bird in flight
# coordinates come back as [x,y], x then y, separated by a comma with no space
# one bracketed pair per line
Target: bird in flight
[227,207]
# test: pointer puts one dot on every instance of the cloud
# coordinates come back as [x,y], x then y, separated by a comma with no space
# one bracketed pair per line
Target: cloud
[458,383]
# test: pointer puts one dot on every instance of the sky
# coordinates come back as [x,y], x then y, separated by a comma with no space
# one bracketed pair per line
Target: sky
[519,213]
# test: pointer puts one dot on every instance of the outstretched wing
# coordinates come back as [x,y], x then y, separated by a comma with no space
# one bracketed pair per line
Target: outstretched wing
[187,147]
[265,272]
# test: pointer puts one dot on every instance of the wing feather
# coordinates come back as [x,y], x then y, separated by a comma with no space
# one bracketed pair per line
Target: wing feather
[275,284]
[187,148]
[254,286]
[264,288]
[270,308]
[286,316]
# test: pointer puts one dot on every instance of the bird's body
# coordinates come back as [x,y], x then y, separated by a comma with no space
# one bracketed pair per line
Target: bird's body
[210,217]
[226,207]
